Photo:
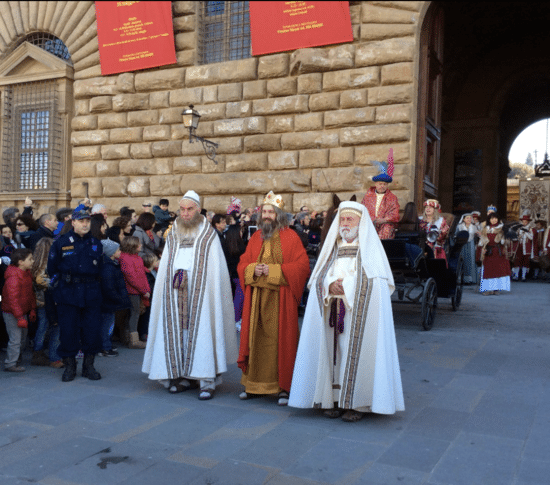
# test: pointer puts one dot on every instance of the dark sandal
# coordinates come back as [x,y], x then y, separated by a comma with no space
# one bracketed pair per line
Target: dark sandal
[206,395]
[176,386]
[333,413]
[283,399]
[352,416]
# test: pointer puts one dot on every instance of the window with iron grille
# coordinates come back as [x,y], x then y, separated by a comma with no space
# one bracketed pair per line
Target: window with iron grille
[32,136]
[224,31]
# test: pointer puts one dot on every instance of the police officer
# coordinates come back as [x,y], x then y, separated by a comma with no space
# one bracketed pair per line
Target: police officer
[74,265]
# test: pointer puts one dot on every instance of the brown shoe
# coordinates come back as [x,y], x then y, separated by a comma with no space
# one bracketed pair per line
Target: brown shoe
[15,368]
[135,342]
[352,416]
[58,364]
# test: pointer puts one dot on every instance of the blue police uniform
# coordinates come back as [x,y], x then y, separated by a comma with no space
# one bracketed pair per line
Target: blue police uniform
[74,264]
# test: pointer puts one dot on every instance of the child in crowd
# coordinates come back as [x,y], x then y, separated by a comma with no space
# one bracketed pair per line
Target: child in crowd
[137,285]
[162,216]
[113,292]
[18,304]
[47,319]
[151,263]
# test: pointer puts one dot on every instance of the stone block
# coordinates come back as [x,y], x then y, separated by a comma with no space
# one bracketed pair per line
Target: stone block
[286,105]
[262,143]
[141,150]
[230,145]
[242,109]
[83,153]
[273,66]
[184,24]
[170,116]
[205,129]
[281,87]
[356,98]
[211,112]
[101,104]
[165,79]
[160,99]
[185,58]
[230,92]
[78,189]
[341,157]
[365,77]
[187,165]
[126,135]
[338,179]
[244,126]
[371,32]
[314,158]
[115,186]
[178,132]
[139,187]
[166,149]
[324,101]
[107,168]
[213,166]
[130,102]
[210,94]
[349,117]
[402,93]
[143,118]
[310,83]
[304,61]
[220,203]
[79,123]
[308,122]
[125,83]
[368,135]
[255,90]
[282,160]
[399,73]
[365,154]
[387,15]
[97,86]
[81,107]
[396,113]
[248,182]
[112,120]
[314,201]
[156,166]
[158,132]
[185,97]
[94,137]
[165,185]
[84,169]
[222,72]
[115,152]
[309,139]
[280,124]
[385,52]
[184,8]
[185,41]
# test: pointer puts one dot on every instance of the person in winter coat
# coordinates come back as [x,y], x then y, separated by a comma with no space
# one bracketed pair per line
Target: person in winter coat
[18,304]
[150,242]
[137,285]
[114,293]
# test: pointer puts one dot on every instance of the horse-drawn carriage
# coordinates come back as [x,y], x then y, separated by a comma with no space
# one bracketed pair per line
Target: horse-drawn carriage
[422,279]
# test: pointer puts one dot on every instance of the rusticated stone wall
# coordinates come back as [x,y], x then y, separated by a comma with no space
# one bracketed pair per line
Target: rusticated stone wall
[304,124]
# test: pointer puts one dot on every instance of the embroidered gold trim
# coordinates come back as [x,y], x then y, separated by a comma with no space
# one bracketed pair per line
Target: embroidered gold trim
[347,252]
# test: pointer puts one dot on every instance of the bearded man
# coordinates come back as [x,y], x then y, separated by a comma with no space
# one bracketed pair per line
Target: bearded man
[381,203]
[273,272]
[192,335]
[347,359]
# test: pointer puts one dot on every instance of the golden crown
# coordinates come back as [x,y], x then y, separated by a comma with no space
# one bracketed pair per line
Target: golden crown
[275,200]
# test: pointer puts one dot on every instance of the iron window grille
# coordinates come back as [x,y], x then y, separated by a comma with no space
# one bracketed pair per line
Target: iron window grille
[32,137]
[224,31]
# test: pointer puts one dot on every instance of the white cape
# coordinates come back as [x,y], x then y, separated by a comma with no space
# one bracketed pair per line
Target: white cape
[209,344]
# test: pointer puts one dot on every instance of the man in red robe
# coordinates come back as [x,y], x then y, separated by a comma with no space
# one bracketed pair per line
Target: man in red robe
[273,272]
[381,203]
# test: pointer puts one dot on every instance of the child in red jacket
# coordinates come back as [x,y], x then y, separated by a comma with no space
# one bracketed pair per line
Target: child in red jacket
[18,304]
[136,283]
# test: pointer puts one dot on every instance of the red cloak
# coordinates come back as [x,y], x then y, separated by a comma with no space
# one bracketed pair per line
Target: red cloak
[295,269]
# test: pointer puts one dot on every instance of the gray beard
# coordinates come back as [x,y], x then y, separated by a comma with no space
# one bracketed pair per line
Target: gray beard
[188,228]
[349,234]
[267,228]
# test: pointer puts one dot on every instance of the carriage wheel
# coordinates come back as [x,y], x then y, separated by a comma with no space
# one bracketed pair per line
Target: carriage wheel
[429,303]
[457,297]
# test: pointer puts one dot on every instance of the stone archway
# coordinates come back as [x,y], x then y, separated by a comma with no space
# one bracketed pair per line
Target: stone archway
[495,79]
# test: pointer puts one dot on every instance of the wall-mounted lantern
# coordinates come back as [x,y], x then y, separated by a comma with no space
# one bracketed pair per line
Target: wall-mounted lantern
[191,120]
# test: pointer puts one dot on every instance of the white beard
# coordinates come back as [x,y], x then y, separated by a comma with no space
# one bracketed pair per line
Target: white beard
[349,233]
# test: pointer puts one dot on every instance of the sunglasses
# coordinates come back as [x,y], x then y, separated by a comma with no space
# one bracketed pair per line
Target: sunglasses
[146,205]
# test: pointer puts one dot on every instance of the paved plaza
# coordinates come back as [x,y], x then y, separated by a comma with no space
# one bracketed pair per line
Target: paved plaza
[477,398]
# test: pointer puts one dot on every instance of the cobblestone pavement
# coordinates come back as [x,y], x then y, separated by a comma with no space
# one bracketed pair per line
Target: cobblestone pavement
[477,399]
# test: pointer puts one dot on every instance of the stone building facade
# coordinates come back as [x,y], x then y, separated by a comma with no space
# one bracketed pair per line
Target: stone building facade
[305,123]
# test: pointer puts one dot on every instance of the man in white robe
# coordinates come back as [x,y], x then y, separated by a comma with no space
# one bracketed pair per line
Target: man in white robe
[192,335]
[347,359]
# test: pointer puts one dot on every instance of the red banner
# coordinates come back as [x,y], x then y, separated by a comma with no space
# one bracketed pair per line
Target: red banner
[286,26]
[134,35]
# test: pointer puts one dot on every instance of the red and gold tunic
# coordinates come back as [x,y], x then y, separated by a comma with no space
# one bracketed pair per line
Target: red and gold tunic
[388,209]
